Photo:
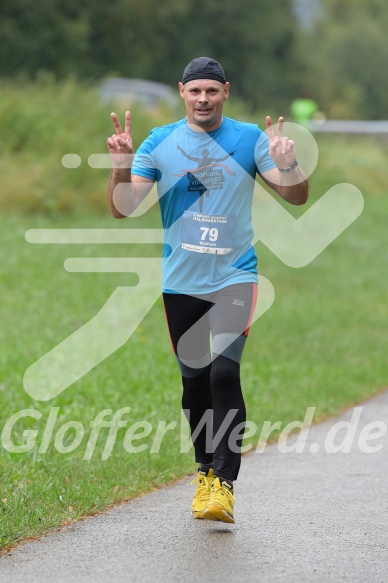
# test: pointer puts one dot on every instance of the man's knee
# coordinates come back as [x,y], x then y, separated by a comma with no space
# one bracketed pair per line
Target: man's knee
[230,346]
[193,368]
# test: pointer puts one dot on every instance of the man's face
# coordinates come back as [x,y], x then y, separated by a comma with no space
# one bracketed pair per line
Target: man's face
[204,100]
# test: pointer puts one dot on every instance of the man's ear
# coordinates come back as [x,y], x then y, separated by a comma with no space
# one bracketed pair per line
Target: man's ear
[181,89]
[226,90]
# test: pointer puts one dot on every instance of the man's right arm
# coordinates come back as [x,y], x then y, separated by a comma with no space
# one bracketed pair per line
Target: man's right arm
[126,191]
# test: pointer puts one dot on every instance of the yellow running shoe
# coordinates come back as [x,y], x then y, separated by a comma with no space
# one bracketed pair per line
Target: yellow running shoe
[202,494]
[221,501]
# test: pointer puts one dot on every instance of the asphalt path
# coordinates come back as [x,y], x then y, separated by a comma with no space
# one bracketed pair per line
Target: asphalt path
[316,515]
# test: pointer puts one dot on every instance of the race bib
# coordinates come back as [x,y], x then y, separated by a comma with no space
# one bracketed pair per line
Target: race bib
[208,233]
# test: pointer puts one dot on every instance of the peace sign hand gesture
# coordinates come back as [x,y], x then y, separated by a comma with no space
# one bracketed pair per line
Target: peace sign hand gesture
[120,144]
[281,148]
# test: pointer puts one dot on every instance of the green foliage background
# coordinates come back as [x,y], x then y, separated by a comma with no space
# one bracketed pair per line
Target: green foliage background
[269,55]
[42,121]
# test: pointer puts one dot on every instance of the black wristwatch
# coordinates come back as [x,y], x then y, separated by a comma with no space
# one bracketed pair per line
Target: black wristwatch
[289,168]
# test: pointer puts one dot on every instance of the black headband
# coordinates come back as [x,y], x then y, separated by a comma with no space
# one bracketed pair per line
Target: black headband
[203,68]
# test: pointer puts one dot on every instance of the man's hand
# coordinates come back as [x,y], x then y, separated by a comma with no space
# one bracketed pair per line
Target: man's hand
[120,144]
[293,185]
[281,148]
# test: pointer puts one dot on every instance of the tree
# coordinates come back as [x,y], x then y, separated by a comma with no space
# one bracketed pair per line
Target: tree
[347,56]
[154,40]
[45,35]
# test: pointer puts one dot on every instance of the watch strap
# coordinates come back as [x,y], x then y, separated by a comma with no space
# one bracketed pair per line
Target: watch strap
[289,168]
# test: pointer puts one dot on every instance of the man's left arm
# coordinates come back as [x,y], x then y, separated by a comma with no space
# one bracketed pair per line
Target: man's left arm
[293,186]
[287,179]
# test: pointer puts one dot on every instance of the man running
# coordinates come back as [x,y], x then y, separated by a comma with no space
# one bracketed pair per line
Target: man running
[209,264]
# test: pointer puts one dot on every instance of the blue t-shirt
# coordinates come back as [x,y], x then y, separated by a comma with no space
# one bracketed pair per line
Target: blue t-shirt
[205,186]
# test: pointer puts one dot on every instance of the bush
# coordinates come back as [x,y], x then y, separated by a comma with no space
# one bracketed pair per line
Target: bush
[41,122]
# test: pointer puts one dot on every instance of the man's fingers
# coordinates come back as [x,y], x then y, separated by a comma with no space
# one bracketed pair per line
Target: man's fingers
[114,142]
[280,127]
[273,144]
[122,144]
[270,130]
[128,124]
[116,123]
[268,123]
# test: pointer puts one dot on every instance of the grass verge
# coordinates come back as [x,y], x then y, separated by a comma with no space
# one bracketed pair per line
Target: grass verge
[322,344]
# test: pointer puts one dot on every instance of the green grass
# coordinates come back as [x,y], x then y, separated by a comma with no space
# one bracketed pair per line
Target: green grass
[322,344]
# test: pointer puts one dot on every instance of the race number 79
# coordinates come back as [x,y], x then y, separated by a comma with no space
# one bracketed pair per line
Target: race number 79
[213,233]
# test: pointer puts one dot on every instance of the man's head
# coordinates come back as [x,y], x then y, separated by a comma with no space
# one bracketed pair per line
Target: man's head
[204,89]
[203,68]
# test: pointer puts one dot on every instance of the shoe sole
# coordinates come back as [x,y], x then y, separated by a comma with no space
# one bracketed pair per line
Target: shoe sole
[217,513]
[196,514]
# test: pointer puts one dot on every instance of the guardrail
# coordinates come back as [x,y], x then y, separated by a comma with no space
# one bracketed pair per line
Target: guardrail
[335,126]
